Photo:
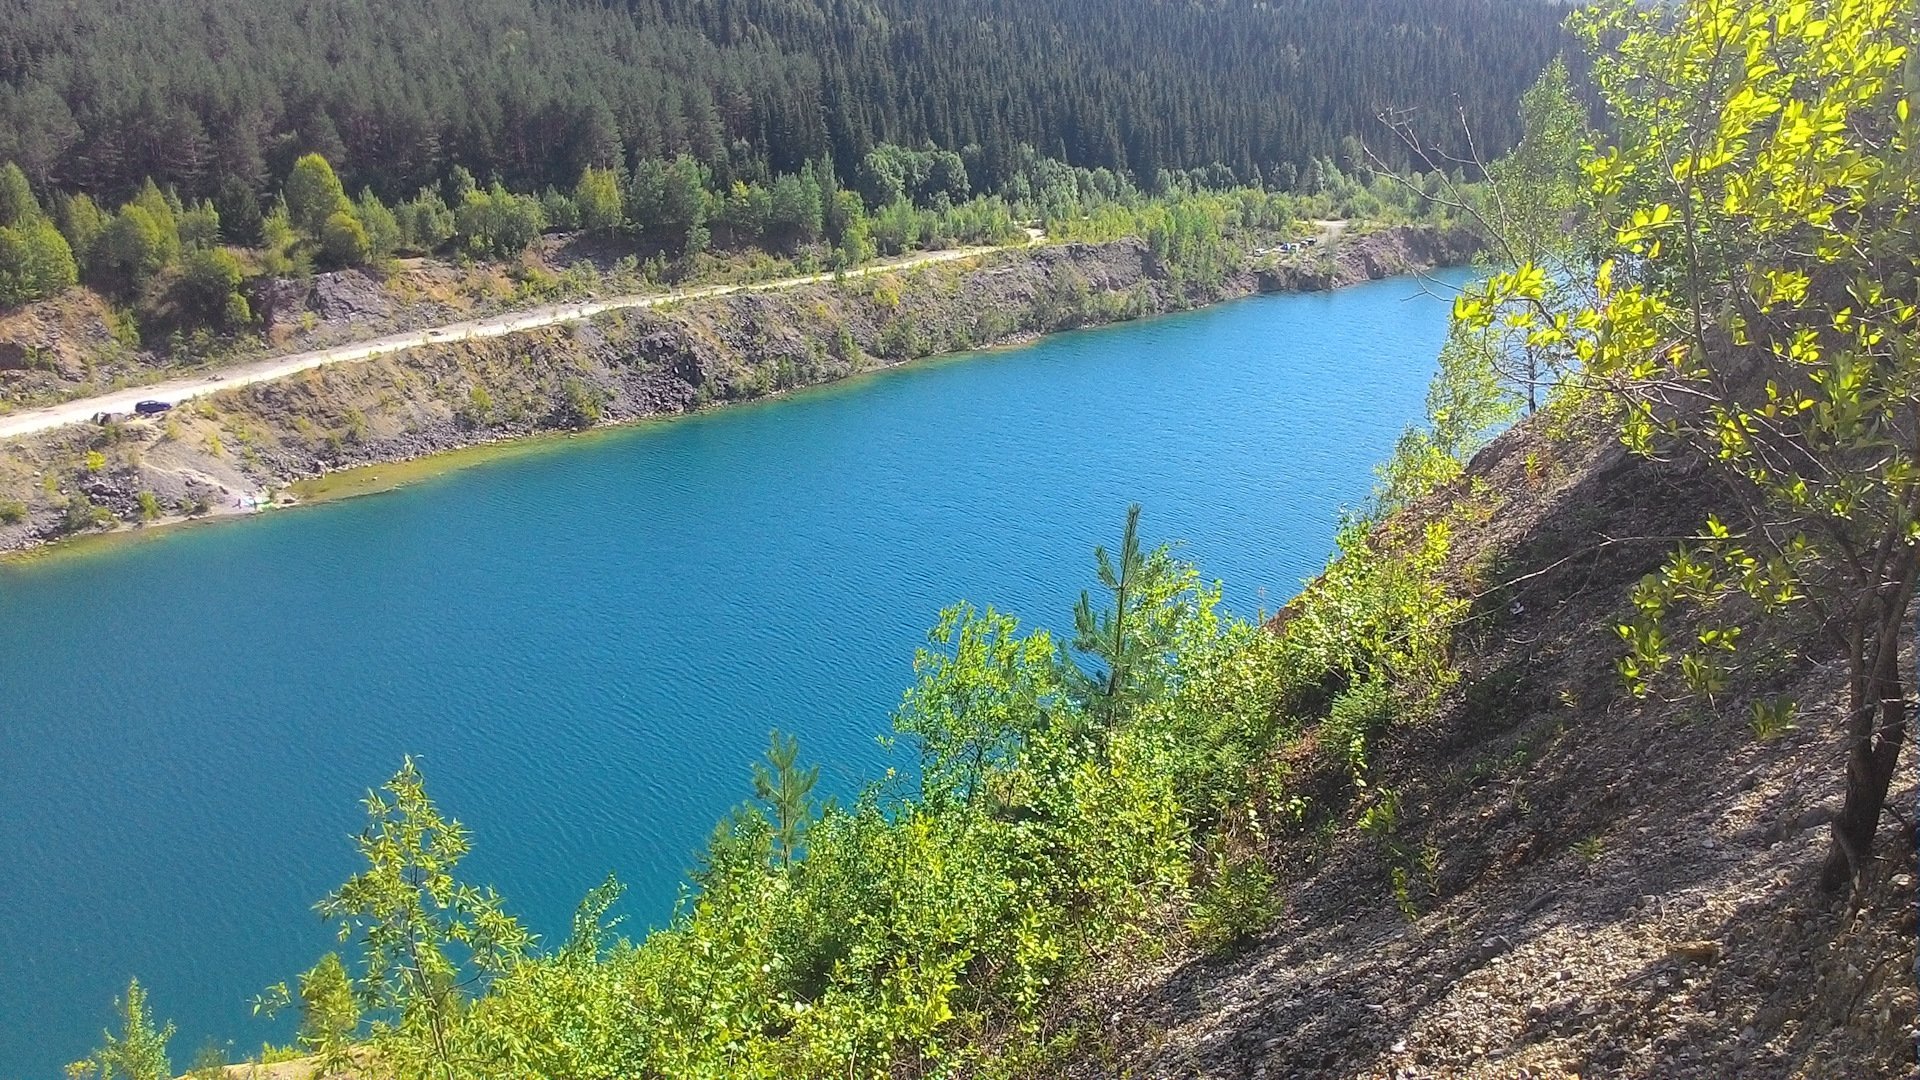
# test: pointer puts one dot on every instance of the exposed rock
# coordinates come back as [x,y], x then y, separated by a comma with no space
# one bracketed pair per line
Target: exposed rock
[626,365]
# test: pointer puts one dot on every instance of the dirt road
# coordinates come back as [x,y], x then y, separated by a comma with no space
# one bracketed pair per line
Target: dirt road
[175,391]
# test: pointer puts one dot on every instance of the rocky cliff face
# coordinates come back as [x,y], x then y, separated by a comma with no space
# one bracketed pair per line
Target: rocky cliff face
[236,449]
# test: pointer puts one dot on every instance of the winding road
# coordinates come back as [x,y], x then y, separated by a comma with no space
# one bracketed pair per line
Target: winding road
[175,391]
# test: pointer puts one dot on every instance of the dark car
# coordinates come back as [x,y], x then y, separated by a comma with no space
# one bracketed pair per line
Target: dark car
[148,408]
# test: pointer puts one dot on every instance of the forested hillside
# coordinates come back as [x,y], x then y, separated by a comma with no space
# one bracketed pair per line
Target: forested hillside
[217,98]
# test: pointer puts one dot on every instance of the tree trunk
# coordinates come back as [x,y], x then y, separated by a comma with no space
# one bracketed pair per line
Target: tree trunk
[1876,733]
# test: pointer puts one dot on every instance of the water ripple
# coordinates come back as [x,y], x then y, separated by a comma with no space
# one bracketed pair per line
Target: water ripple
[586,648]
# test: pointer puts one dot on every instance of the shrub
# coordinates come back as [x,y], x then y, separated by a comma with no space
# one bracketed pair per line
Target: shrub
[1237,902]
[382,228]
[343,240]
[199,226]
[208,289]
[497,222]
[35,262]
[579,406]
[1351,724]
[424,222]
[559,211]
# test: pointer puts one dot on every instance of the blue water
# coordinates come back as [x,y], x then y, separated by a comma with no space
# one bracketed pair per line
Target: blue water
[586,646]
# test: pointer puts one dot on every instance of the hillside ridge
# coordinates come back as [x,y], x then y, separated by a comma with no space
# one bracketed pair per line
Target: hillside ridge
[1597,885]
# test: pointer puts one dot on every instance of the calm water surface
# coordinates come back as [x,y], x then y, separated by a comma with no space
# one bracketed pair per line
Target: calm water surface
[586,647]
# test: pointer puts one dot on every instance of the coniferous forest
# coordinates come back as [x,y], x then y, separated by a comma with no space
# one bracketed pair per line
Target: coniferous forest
[216,99]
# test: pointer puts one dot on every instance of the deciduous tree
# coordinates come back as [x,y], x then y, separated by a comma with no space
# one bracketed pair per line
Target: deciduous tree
[1760,315]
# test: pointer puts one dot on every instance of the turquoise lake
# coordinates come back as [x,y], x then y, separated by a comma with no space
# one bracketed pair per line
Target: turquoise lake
[585,646]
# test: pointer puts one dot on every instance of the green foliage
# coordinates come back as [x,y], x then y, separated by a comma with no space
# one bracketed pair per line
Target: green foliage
[479,404]
[580,405]
[1536,190]
[388,93]
[795,208]
[1356,716]
[982,691]
[427,939]
[132,249]
[669,199]
[1239,900]
[344,241]
[745,210]
[381,226]
[208,288]
[329,1014]
[81,222]
[17,204]
[1761,270]
[1468,402]
[558,210]
[787,791]
[280,253]
[497,222]
[314,195]
[35,262]
[1380,821]
[165,211]
[598,198]
[891,174]
[1771,720]
[199,226]
[1130,644]
[139,1052]
[1379,612]
[856,941]
[424,221]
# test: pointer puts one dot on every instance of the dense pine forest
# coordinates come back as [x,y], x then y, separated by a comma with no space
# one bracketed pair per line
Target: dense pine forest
[216,99]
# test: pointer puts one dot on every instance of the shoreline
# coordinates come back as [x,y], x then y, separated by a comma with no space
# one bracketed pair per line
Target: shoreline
[1390,252]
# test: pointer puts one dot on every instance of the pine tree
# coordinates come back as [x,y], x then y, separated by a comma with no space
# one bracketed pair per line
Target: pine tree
[787,791]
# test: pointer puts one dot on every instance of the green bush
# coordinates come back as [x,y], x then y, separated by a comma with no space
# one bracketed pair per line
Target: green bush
[425,222]
[1357,715]
[1239,900]
[381,226]
[497,222]
[208,288]
[35,262]
[343,240]
[597,198]
[314,195]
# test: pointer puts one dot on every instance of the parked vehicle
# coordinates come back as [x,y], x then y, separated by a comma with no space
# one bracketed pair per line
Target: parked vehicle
[149,408]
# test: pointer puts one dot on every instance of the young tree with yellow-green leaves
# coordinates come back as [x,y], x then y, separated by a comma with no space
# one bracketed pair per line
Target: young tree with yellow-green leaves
[139,1052]
[1759,310]
[428,941]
